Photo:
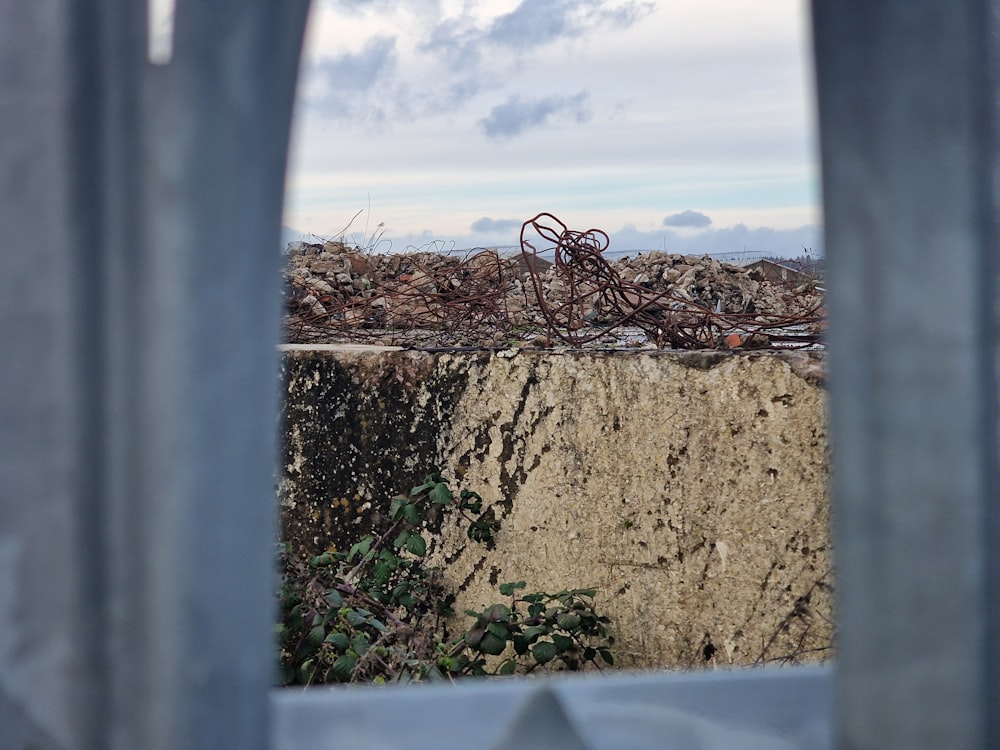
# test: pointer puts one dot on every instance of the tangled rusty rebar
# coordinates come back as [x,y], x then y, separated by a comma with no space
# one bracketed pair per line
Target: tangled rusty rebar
[484,299]
[590,291]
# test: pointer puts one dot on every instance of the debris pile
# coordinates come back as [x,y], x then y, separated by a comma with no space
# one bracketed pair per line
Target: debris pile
[560,289]
[335,294]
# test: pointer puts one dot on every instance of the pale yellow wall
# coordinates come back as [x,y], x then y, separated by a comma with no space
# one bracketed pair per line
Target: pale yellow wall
[690,489]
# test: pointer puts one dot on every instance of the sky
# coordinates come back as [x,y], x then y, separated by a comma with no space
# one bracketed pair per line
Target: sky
[678,125]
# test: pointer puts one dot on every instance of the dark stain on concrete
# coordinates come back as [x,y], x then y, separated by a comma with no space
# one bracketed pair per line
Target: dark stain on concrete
[354,436]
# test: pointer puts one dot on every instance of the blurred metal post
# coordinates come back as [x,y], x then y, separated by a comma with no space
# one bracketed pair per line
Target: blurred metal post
[907,95]
[139,306]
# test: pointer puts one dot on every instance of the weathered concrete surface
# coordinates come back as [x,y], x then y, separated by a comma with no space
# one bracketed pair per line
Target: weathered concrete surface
[689,488]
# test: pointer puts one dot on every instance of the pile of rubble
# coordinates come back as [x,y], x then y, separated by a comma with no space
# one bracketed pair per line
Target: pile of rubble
[338,294]
[718,286]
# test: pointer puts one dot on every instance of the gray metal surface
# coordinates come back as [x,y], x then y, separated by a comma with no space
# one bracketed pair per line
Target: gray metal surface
[759,709]
[140,215]
[906,100]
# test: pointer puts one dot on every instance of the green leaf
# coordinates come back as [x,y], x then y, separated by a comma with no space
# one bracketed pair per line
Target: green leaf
[396,507]
[563,643]
[334,598]
[498,630]
[441,494]
[568,621]
[340,640]
[355,618]
[416,545]
[316,635]
[520,645]
[320,560]
[481,530]
[382,573]
[506,589]
[400,540]
[492,644]
[401,588]
[532,634]
[411,514]
[544,652]
[448,663]
[606,655]
[507,668]
[343,667]
[360,644]
[361,548]
[471,501]
[474,637]
[420,489]
[498,613]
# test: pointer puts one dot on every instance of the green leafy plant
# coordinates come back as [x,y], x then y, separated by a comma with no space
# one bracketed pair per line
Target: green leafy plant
[540,629]
[379,613]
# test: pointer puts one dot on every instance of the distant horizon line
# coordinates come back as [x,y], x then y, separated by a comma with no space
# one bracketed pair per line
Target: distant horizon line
[741,255]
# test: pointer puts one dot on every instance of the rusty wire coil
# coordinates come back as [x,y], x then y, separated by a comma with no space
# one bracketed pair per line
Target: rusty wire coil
[592,300]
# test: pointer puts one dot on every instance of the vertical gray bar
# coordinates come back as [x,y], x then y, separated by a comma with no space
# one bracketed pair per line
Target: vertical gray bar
[47,648]
[906,93]
[139,291]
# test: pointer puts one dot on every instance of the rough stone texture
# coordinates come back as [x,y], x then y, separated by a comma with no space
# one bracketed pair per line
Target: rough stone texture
[689,488]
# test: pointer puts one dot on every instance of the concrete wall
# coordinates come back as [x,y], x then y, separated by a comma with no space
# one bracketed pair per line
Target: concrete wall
[689,488]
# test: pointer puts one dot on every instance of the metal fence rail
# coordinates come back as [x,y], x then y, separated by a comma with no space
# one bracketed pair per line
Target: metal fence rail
[136,527]
[906,96]
[137,200]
